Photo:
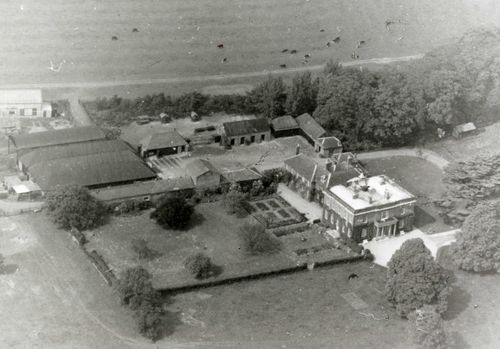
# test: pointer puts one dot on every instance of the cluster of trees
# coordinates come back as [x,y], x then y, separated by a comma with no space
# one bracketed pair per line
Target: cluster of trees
[418,287]
[173,212]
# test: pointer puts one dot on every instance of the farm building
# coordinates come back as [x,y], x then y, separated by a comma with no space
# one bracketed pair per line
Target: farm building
[284,126]
[163,143]
[25,142]
[144,192]
[368,208]
[24,103]
[310,178]
[246,131]
[310,129]
[26,190]
[463,130]
[245,177]
[203,174]
[93,165]
[327,146]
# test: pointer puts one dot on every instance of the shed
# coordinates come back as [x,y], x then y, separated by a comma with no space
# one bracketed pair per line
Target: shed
[284,126]
[203,174]
[24,103]
[463,130]
[26,190]
[163,143]
[247,131]
[310,128]
[245,177]
[327,146]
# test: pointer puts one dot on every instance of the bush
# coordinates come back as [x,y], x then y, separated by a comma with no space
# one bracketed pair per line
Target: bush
[140,247]
[415,279]
[133,282]
[235,201]
[173,213]
[73,206]
[427,328]
[257,241]
[150,322]
[199,265]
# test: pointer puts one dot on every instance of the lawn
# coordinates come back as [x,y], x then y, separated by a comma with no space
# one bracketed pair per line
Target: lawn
[421,178]
[318,309]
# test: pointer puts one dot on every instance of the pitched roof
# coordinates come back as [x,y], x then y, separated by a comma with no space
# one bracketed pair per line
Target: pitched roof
[244,127]
[310,126]
[241,175]
[329,142]
[62,151]
[199,167]
[91,170]
[55,137]
[305,167]
[285,122]
[20,96]
[162,140]
[154,187]
[465,127]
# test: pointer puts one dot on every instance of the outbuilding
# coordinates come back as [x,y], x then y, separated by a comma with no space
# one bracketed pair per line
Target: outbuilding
[327,146]
[246,131]
[162,144]
[203,174]
[310,129]
[463,130]
[24,103]
[284,126]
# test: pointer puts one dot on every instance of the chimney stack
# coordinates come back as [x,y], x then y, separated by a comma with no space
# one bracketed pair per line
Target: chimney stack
[297,149]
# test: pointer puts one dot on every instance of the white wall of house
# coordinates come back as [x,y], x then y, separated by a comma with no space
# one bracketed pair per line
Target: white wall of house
[27,110]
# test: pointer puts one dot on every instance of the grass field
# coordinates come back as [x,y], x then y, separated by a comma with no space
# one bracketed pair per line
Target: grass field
[421,178]
[179,38]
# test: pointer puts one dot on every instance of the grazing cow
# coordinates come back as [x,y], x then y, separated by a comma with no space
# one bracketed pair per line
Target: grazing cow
[328,44]
[352,276]
[114,38]
[284,50]
[321,30]
[305,61]
[354,55]
[293,51]
[220,45]
[135,30]
[307,55]
[282,65]
[336,40]
[224,60]
[388,24]
[361,43]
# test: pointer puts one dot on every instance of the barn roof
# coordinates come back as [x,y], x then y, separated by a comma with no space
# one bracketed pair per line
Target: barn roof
[244,127]
[329,142]
[199,167]
[38,155]
[285,122]
[91,170]
[241,175]
[310,126]
[55,137]
[20,96]
[162,140]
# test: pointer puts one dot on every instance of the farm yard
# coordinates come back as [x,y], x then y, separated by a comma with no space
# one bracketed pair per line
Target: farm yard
[75,38]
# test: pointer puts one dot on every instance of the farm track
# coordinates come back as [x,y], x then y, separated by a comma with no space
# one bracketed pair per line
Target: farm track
[207,78]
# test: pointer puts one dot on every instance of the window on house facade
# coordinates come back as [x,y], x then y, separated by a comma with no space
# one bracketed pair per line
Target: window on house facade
[12,112]
[33,111]
[364,233]
[21,112]
[262,137]
[242,140]
[252,139]
[384,214]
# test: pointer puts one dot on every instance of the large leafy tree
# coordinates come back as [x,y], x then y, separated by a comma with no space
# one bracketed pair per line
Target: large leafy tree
[301,94]
[174,212]
[269,97]
[478,243]
[73,206]
[415,279]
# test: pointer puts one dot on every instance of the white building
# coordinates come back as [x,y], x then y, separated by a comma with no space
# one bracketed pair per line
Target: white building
[24,103]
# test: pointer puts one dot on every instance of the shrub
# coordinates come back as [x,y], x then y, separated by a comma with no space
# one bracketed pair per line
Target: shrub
[415,279]
[141,248]
[257,241]
[150,322]
[173,213]
[427,328]
[199,265]
[235,201]
[133,282]
[73,206]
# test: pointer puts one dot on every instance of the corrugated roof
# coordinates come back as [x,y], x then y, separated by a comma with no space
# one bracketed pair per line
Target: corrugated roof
[142,189]
[70,150]
[56,137]
[200,166]
[310,126]
[285,122]
[241,175]
[162,140]
[244,127]
[91,170]
[20,96]
[329,142]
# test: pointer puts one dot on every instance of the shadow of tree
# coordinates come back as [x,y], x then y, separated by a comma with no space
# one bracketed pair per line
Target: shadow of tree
[7,269]
[458,341]
[171,321]
[458,301]
[196,219]
[422,217]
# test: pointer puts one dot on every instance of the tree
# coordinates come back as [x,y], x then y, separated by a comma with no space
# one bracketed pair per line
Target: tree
[150,322]
[235,201]
[301,94]
[415,279]
[143,251]
[477,246]
[427,328]
[173,213]
[73,206]
[199,265]
[269,97]
[134,283]
[257,241]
